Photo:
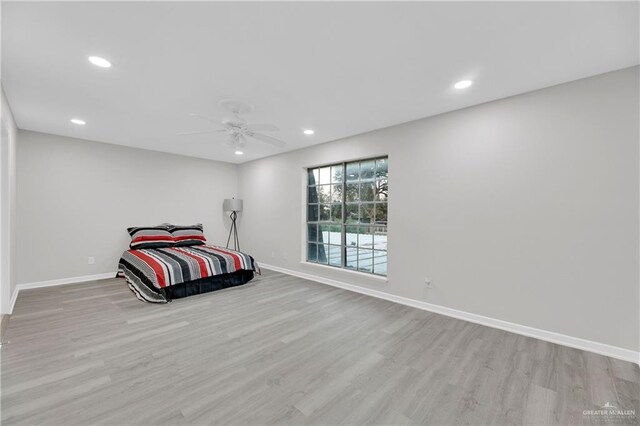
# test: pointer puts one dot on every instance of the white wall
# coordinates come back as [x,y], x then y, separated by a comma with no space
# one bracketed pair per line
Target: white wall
[523,209]
[8,135]
[76,198]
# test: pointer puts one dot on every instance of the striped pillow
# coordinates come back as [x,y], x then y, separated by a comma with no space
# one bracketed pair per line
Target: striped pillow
[144,237]
[191,235]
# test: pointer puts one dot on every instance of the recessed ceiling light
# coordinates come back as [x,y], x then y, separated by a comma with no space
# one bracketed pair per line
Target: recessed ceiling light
[463,84]
[78,121]
[239,152]
[309,132]
[99,62]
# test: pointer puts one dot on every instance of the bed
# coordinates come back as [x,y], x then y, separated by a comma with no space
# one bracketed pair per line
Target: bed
[158,275]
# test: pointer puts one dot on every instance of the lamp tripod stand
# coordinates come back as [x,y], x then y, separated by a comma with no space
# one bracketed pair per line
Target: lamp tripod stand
[234,231]
[233,205]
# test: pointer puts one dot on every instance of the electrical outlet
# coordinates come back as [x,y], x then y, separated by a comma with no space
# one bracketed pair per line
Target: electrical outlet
[92,260]
[428,283]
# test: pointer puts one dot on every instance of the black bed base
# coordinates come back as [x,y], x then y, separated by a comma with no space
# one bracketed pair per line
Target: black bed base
[206,285]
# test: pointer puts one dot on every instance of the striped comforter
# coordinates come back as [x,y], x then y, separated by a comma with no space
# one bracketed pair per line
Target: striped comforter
[149,271]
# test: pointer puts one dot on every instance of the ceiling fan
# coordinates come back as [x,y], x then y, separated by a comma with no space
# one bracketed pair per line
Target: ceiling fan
[237,127]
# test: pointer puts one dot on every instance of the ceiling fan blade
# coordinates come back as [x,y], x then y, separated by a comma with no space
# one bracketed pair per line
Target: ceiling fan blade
[203,117]
[269,140]
[199,132]
[263,127]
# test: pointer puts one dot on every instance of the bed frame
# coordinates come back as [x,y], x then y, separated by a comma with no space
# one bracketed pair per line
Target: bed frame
[207,285]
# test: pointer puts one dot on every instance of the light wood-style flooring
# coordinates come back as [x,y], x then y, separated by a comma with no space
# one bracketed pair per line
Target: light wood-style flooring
[282,350]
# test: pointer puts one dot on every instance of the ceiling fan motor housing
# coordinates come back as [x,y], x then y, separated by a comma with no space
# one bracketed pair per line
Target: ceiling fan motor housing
[235,106]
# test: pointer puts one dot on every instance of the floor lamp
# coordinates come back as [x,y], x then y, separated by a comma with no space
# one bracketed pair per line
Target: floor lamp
[234,206]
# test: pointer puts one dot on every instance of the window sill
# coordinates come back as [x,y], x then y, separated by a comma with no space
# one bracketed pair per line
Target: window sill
[372,277]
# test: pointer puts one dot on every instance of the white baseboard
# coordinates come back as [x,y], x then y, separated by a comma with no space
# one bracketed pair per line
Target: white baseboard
[12,302]
[549,336]
[53,283]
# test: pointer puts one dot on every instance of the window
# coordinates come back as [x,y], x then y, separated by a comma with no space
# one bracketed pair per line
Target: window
[347,215]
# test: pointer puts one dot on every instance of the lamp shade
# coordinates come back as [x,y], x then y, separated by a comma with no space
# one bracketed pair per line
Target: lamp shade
[232,205]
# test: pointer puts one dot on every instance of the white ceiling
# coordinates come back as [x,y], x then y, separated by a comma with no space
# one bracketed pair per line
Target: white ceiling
[338,68]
